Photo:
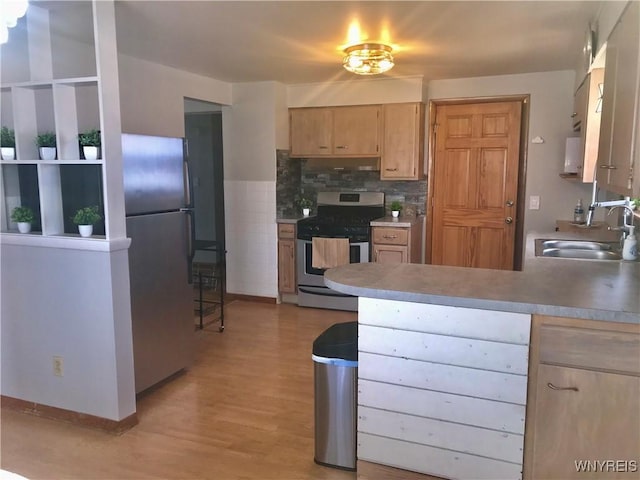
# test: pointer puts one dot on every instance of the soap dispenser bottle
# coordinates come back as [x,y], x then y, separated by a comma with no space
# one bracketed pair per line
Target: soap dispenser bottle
[630,246]
[578,213]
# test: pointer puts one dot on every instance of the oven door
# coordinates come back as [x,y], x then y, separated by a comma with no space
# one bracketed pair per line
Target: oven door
[312,291]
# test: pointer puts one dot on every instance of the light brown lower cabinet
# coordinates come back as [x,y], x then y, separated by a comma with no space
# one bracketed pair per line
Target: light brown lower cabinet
[286,258]
[583,415]
[397,244]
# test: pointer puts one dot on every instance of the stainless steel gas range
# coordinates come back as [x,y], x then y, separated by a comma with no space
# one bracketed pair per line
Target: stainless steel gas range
[340,215]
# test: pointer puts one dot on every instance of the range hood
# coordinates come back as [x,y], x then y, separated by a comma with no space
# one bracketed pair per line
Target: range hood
[342,164]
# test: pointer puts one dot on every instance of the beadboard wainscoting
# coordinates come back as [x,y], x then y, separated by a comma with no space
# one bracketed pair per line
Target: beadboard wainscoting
[251,238]
[442,390]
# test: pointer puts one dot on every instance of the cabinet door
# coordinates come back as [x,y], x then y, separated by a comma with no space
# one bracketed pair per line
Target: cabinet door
[311,131]
[598,421]
[402,155]
[287,266]
[390,254]
[619,115]
[356,131]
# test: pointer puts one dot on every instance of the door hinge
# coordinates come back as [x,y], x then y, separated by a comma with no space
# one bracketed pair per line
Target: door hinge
[435,127]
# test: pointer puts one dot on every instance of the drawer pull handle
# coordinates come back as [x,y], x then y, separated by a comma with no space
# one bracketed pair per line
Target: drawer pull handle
[389,236]
[324,147]
[343,147]
[553,387]
[391,169]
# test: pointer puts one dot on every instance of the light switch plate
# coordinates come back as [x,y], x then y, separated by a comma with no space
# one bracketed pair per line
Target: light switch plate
[534,202]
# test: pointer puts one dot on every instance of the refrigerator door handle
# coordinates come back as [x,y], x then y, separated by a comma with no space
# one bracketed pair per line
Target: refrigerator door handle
[190,233]
[187,180]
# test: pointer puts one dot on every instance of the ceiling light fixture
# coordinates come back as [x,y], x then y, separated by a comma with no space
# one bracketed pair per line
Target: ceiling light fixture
[368,58]
[10,12]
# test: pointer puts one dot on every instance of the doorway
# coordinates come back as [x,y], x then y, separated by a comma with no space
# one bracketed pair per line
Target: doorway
[203,135]
[476,182]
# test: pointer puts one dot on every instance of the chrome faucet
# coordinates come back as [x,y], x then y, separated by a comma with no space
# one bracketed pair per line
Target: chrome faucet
[624,203]
[625,227]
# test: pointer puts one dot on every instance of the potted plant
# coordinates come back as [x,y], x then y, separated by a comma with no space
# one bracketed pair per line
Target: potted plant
[7,144]
[23,216]
[305,204]
[396,208]
[86,218]
[46,143]
[90,141]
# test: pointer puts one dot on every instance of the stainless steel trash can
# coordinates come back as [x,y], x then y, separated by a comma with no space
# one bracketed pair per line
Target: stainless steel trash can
[335,357]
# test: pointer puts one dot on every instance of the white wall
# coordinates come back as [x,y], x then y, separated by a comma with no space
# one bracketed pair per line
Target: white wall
[81,316]
[550,118]
[356,92]
[152,96]
[257,125]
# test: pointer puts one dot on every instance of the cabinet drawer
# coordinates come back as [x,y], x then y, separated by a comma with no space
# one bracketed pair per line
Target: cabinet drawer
[593,349]
[286,230]
[391,236]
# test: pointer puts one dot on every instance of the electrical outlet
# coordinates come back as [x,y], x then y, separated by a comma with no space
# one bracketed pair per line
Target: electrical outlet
[58,366]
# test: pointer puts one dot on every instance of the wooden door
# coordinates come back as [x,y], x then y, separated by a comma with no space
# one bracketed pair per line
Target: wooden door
[475,185]
[356,130]
[597,421]
[311,131]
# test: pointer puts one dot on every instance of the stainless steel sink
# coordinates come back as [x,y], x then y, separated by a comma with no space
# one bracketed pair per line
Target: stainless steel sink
[579,249]
[576,244]
[580,253]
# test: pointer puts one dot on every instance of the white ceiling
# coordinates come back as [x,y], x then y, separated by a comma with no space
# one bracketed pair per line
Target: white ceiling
[299,42]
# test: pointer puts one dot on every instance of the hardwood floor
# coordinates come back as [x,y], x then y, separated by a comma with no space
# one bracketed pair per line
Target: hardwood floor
[244,410]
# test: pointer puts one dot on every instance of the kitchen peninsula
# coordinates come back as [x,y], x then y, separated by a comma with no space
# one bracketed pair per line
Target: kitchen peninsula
[458,366]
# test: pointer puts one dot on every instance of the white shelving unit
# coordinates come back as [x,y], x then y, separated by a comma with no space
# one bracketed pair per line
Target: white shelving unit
[60,92]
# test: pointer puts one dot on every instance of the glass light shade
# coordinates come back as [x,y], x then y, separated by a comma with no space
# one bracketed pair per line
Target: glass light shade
[10,12]
[368,58]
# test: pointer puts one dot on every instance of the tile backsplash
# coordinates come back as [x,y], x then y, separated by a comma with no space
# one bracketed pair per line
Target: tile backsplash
[294,181]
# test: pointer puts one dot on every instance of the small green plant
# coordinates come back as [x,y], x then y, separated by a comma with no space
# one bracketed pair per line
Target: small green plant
[46,139]
[90,138]
[22,215]
[396,206]
[305,203]
[635,203]
[7,137]
[87,216]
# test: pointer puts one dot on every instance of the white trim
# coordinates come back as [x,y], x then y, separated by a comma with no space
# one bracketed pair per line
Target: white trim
[70,242]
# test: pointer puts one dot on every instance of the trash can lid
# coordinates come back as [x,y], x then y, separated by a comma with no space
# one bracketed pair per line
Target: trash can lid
[338,341]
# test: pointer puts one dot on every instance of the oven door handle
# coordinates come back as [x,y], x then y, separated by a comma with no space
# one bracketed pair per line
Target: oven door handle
[315,292]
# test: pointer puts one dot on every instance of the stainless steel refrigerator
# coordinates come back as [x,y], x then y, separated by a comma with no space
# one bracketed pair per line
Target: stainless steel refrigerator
[160,227]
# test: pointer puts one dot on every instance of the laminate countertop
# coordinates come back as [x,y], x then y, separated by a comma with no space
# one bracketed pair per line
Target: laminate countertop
[588,289]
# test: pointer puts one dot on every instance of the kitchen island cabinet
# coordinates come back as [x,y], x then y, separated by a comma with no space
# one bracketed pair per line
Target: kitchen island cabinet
[430,324]
[584,402]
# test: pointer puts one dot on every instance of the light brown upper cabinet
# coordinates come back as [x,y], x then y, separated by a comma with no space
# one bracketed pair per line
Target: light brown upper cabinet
[352,131]
[586,120]
[620,113]
[403,150]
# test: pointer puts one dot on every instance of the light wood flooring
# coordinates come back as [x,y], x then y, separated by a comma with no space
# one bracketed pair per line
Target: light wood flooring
[244,410]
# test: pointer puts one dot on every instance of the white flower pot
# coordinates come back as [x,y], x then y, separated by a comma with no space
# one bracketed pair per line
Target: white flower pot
[47,153]
[24,227]
[91,153]
[306,211]
[85,230]
[8,153]
[395,213]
